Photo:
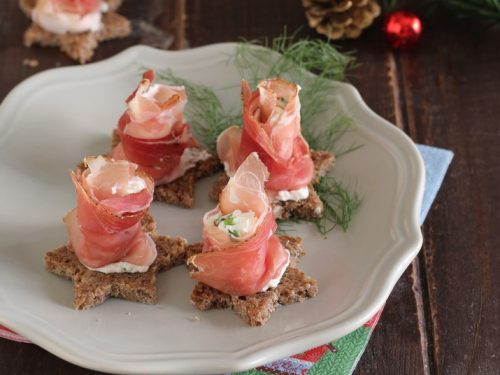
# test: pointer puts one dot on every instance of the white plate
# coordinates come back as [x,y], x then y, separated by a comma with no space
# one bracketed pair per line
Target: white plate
[53,119]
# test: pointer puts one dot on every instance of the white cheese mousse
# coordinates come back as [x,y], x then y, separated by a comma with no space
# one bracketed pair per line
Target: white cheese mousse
[237,225]
[121,267]
[292,195]
[287,195]
[49,18]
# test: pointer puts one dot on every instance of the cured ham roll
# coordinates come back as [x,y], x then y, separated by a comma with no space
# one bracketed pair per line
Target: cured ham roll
[271,128]
[75,26]
[241,254]
[153,133]
[105,227]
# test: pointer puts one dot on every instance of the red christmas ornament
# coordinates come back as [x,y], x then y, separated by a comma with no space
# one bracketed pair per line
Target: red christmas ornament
[403,29]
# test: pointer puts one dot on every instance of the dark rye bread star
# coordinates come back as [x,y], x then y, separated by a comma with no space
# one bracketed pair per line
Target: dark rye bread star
[91,288]
[181,191]
[78,46]
[309,208]
[256,310]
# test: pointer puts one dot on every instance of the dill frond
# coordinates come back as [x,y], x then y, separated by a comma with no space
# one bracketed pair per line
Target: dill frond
[340,204]
[319,57]
[321,129]
[204,112]
[327,139]
[286,226]
[286,55]
[486,10]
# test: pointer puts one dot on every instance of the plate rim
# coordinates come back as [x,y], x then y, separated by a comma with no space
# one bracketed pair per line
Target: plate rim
[257,354]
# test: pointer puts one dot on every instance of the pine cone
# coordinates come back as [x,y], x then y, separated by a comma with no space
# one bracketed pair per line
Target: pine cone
[339,19]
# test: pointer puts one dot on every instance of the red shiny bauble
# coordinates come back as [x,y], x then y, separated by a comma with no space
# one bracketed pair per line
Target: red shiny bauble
[403,29]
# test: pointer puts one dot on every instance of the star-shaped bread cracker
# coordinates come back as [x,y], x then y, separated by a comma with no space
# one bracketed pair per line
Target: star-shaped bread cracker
[256,310]
[91,288]
[309,208]
[181,191]
[78,46]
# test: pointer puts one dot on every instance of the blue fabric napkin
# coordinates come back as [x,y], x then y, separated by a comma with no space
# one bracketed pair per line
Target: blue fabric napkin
[436,161]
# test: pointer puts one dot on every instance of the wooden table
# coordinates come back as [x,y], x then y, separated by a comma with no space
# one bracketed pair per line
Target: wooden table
[443,316]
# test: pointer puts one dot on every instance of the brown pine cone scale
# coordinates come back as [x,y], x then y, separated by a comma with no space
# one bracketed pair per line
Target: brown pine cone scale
[338,19]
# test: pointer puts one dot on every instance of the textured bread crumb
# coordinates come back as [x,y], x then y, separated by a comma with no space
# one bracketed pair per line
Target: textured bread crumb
[323,162]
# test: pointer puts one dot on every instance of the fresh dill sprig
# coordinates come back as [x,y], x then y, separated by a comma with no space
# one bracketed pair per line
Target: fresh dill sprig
[320,128]
[285,226]
[326,139]
[233,233]
[484,10]
[286,55]
[487,10]
[340,204]
[316,56]
[227,220]
[204,111]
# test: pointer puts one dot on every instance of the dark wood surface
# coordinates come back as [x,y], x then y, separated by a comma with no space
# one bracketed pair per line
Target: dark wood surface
[443,316]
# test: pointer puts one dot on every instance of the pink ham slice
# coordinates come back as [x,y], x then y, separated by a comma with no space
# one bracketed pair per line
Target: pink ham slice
[271,127]
[245,267]
[105,227]
[152,129]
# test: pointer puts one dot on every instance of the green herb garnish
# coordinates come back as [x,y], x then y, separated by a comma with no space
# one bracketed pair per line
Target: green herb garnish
[487,11]
[204,111]
[227,220]
[291,57]
[285,226]
[339,202]
[233,233]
